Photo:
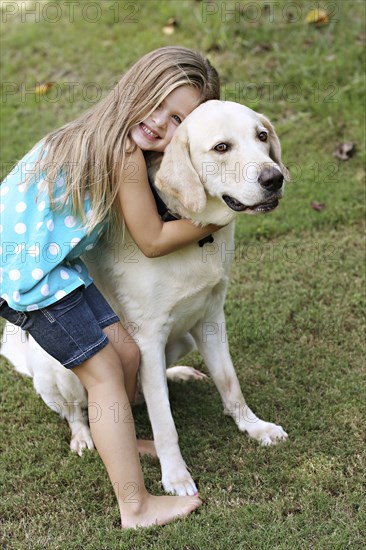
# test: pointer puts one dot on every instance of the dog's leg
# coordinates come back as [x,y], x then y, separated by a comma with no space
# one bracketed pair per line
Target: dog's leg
[14,346]
[73,411]
[174,351]
[211,339]
[175,477]
[63,392]
[59,388]
[69,405]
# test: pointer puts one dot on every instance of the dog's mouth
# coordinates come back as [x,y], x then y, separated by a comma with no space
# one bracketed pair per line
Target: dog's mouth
[240,207]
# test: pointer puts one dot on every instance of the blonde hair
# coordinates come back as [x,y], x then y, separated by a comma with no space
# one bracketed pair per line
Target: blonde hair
[91,149]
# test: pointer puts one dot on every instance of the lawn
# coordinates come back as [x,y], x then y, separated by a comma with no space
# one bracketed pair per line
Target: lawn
[295,307]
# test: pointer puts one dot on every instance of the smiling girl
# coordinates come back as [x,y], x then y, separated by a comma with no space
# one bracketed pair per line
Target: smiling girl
[57,201]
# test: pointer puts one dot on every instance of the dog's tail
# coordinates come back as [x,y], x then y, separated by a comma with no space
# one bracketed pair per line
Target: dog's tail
[14,346]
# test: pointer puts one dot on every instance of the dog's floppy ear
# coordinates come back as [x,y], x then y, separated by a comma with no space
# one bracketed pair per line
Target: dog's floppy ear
[176,175]
[275,147]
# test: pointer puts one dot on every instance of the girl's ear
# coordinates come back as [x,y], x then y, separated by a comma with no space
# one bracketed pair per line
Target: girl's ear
[275,147]
[176,175]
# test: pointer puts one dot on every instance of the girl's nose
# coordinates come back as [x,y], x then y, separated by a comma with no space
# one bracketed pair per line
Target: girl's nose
[159,118]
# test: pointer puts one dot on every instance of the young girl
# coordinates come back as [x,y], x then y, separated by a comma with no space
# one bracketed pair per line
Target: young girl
[56,203]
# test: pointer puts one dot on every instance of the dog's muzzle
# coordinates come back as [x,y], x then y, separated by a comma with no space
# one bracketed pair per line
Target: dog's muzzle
[269,179]
[240,207]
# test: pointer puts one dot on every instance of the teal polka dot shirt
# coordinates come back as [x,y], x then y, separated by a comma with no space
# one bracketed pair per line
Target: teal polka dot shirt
[40,246]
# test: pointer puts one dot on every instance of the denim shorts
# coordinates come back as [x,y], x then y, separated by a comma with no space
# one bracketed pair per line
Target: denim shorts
[71,329]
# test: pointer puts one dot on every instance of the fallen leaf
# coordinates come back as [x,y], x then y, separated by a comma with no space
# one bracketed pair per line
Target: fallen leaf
[344,151]
[43,88]
[290,16]
[260,48]
[170,26]
[318,206]
[214,48]
[317,17]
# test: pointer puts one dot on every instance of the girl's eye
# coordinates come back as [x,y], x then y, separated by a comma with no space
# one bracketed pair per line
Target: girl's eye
[263,136]
[222,147]
[177,119]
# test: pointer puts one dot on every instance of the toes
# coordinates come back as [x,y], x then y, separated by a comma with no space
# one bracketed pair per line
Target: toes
[181,488]
[274,435]
[266,441]
[183,373]
[267,433]
[77,446]
[196,374]
[80,442]
[278,433]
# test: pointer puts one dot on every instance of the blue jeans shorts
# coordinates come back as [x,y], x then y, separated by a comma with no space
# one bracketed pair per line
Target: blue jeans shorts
[71,329]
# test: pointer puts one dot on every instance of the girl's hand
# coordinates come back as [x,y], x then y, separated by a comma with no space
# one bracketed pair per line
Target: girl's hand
[153,237]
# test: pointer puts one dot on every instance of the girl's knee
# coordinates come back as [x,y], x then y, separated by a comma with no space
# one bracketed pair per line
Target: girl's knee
[130,358]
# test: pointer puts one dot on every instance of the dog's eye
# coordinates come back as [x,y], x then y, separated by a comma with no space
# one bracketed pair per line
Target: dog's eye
[263,136]
[222,147]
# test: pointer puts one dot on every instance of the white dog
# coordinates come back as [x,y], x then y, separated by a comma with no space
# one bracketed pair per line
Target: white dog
[224,159]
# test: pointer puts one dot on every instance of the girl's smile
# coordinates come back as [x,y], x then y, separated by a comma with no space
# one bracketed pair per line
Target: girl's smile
[156,132]
[148,132]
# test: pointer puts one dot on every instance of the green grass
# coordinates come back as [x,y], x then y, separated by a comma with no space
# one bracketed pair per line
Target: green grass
[295,305]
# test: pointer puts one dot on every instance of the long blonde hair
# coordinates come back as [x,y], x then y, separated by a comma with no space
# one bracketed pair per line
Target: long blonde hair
[91,149]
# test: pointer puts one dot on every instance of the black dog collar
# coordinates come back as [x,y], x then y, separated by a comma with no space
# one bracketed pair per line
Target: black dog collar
[168,216]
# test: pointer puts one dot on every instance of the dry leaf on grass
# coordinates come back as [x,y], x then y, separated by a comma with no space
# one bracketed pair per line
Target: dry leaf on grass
[344,151]
[263,47]
[43,88]
[170,26]
[317,17]
[318,206]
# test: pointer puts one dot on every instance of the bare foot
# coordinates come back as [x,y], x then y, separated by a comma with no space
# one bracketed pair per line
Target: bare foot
[159,511]
[146,447]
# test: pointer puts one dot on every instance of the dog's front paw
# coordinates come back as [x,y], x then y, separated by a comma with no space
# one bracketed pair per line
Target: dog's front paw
[265,432]
[183,373]
[81,439]
[178,481]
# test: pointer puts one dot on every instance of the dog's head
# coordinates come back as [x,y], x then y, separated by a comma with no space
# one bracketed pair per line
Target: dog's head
[226,152]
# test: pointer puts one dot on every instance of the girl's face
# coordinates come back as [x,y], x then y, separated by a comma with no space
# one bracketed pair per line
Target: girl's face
[155,133]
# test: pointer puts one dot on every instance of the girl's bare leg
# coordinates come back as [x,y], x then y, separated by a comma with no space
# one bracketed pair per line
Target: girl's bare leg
[129,355]
[113,431]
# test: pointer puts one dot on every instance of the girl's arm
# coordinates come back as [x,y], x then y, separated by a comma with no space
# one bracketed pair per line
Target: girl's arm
[153,237]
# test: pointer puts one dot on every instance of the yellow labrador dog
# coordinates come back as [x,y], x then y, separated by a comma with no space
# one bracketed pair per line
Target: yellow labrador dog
[223,160]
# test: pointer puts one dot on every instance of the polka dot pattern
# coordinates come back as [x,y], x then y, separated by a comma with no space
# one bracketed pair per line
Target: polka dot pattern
[45,290]
[37,274]
[43,264]
[21,206]
[20,228]
[69,221]
[14,274]
[54,249]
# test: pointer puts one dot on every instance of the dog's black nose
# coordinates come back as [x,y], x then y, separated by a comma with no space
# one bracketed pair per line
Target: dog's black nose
[271,179]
